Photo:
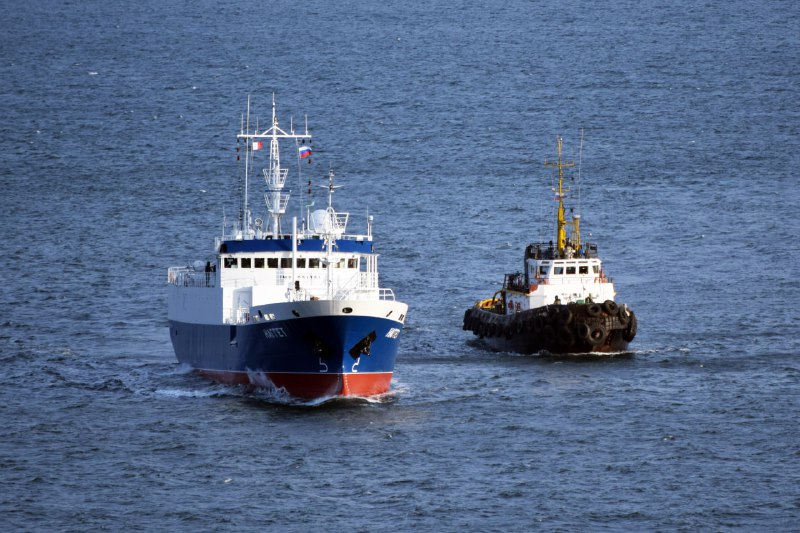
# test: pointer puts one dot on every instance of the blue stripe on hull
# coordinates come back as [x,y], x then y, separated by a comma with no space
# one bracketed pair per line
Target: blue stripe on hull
[303,345]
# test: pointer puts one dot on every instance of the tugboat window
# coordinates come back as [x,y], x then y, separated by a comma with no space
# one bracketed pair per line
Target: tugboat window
[583,269]
[596,269]
[246,262]
[570,270]
[558,271]
[272,262]
[543,270]
[259,262]
[231,262]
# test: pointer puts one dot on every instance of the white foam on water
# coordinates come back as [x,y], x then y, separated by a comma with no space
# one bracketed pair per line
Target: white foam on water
[183,393]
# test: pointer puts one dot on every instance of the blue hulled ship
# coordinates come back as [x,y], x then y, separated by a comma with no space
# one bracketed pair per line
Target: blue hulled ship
[299,309]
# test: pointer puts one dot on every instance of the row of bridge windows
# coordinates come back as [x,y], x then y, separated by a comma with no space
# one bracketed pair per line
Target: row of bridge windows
[559,270]
[284,262]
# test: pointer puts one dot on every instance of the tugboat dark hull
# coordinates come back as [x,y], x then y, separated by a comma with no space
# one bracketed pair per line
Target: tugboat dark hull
[558,329]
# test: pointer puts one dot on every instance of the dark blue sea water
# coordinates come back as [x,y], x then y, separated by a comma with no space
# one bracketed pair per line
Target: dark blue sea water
[117,124]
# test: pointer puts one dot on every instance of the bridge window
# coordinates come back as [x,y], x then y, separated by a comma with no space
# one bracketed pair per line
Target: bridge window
[301,263]
[231,262]
[352,263]
[313,262]
[583,269]
[558,270]
[286,262]
[272,262]
[542,270]
[246,262]
[571,269]
[596,269]
[259,262]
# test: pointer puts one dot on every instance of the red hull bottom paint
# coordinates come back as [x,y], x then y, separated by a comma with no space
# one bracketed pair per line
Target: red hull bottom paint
[310,386]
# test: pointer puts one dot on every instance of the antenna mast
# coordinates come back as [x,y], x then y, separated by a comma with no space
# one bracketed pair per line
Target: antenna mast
[580,165]
[561,223]
[275,176]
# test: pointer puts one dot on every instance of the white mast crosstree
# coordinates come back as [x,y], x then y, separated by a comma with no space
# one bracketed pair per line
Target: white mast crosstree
[275,198]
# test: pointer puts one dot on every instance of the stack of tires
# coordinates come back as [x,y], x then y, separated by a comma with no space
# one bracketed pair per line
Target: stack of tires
[558,328]
[594,324]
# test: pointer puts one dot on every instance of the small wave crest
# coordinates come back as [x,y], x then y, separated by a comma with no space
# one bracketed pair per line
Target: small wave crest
[184,393]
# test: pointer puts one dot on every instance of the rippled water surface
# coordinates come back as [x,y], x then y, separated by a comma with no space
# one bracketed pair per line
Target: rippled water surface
[117,161]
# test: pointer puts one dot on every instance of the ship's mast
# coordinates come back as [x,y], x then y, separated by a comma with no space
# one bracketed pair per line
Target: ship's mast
[247,156]
[561,223]
[331,227]
[275,176]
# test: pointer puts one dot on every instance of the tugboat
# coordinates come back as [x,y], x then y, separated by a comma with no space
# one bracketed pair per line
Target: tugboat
[562,302]
[299,311]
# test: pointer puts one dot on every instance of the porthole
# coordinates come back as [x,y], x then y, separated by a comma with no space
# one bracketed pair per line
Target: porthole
[347,310]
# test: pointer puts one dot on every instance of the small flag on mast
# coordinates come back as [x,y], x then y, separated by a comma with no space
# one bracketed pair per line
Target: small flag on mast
[305,151]
[257,145]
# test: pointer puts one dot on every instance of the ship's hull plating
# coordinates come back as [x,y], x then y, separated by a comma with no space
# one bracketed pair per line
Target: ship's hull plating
[556,329]
[310,357]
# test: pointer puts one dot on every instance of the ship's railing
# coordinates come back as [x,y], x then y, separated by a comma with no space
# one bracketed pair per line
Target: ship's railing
[340,219]
[237,236]
[362,284]
[542,250]
[359,280]
[573,280]
[189,277]
[364,294]
[386,294]
[353,237]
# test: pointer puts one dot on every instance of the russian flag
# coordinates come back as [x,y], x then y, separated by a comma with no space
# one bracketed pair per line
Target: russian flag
[257,145]
[305,151]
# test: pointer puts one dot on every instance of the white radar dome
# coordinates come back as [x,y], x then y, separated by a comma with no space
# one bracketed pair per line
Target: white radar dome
[320,221]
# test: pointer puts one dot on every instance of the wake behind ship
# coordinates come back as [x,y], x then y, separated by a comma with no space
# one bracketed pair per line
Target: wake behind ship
[298,309]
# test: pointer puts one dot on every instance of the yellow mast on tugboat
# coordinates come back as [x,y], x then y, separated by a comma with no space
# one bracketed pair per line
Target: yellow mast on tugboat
[561,224]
